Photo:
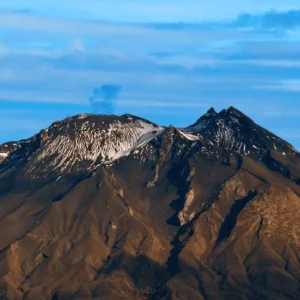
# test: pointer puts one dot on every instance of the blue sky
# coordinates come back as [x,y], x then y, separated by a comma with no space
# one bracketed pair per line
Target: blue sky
[172,59]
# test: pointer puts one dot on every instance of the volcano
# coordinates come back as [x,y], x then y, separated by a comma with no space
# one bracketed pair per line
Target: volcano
[118,207]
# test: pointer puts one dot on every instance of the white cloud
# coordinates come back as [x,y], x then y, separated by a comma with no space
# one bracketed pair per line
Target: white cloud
[46,96]
[28,22]
[77,45]
[4,50]
[153,11]
[285,63]
[63,26]
[289,133]
[187,61]
[161,104]
[285,85]
[280,112]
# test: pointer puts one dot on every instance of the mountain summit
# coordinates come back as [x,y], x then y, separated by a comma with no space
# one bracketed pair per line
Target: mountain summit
[118,207]
[235,131]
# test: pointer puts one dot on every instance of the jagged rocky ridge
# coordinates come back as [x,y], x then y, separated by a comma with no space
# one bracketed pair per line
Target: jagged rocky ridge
[85,141]
[107,207]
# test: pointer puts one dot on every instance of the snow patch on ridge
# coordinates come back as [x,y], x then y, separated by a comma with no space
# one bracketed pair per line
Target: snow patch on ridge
[189,136]
[87,143]
[146,138]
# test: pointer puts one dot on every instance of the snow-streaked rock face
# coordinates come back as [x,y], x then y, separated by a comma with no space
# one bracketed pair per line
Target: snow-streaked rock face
[3,156]
[232,130]
[91,142]
[85,141]
[10,156]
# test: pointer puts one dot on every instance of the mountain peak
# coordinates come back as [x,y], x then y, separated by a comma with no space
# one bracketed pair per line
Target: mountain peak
[223,114]
[234,111]
[233,130]
[211,111]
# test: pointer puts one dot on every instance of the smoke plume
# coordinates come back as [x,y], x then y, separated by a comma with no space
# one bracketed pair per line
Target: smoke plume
[103,98]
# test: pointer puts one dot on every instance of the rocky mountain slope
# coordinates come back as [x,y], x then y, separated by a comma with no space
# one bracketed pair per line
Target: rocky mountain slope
[108,207]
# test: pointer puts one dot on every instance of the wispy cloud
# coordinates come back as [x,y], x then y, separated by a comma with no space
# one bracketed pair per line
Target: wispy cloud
[289,133]
[46,96]
[278,113]
[4,50]
[153,11]
[242,54]
[166,104]
[286,85]
[77,45]
[271,19]
[283,63]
